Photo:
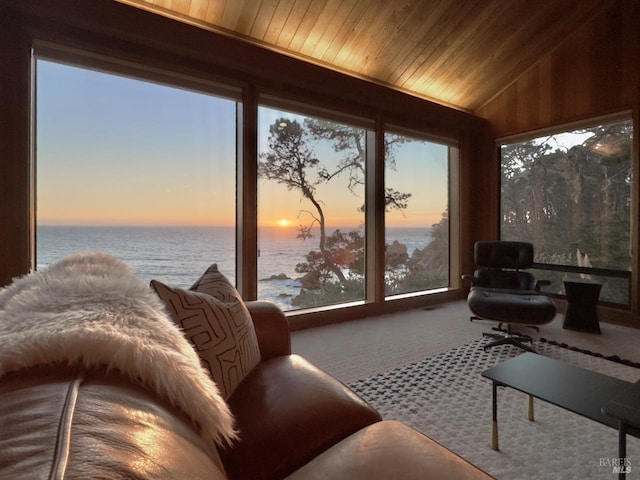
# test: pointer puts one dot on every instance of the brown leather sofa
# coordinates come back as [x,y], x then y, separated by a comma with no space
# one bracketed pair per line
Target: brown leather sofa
[295,422]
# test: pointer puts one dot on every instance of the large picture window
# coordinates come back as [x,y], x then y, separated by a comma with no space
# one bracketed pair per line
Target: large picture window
[142,164]
[311,209]
[416,218]
[140,170]
[569,193]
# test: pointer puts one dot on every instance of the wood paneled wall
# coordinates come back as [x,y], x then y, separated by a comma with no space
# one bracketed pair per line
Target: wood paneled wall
[594,72]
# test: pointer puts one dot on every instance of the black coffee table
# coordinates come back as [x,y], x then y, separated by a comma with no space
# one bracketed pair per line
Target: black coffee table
[573,388]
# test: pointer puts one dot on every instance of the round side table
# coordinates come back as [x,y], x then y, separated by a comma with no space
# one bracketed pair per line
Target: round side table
[582,299]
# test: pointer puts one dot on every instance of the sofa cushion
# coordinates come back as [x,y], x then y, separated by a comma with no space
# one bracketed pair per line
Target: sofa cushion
[526,308]
[288,412]
[221,332]
[386,450]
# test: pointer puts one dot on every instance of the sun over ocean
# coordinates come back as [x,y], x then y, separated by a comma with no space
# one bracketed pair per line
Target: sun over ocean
[179,255]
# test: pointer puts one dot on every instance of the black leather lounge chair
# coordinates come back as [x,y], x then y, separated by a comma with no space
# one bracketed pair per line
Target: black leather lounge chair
[503,293]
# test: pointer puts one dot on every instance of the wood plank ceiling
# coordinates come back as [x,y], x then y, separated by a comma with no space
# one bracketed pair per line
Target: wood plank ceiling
[458,53]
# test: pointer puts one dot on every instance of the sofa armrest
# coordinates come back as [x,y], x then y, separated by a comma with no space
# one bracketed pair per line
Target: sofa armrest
[288,411]
[272,329]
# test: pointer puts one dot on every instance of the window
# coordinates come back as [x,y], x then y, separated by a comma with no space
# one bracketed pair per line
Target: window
[143,164]
[417,239]
[569,193]
[137,169]
[311,209]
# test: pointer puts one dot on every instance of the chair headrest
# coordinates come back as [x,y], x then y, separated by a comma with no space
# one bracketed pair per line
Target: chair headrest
[499,254]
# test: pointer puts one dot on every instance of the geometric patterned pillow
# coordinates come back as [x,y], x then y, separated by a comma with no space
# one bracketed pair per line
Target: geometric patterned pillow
[221,333]
[214,283]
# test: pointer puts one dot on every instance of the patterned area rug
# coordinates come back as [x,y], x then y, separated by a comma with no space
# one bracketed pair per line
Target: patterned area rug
[447,399]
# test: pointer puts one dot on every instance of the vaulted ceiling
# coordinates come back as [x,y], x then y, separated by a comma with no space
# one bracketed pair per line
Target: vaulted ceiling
[459,53]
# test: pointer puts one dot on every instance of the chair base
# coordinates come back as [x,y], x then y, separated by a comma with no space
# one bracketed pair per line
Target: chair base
[509,338]
[499,328]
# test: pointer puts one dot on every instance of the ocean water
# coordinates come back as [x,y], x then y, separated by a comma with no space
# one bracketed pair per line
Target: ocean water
[178,256]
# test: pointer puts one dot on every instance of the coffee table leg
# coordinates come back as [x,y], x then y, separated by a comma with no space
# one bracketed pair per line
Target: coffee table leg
[494,425]
[622,450]
[530,412]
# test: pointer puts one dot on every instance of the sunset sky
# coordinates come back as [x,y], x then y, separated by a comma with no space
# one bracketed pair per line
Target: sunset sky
[117,151]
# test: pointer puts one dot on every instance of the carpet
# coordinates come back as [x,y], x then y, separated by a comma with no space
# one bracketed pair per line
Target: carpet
[447,399]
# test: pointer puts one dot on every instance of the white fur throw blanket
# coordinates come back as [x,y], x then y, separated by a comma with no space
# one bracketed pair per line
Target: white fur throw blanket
[91,310]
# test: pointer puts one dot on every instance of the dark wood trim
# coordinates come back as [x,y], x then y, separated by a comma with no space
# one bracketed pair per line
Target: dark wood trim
[379,207]
[311,319]
[246,198]
[15,180]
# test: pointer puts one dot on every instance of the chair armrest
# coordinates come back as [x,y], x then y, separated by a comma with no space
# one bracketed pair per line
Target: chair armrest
[272,329]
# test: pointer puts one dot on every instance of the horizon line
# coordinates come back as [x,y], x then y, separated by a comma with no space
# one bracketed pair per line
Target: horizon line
[180,225]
